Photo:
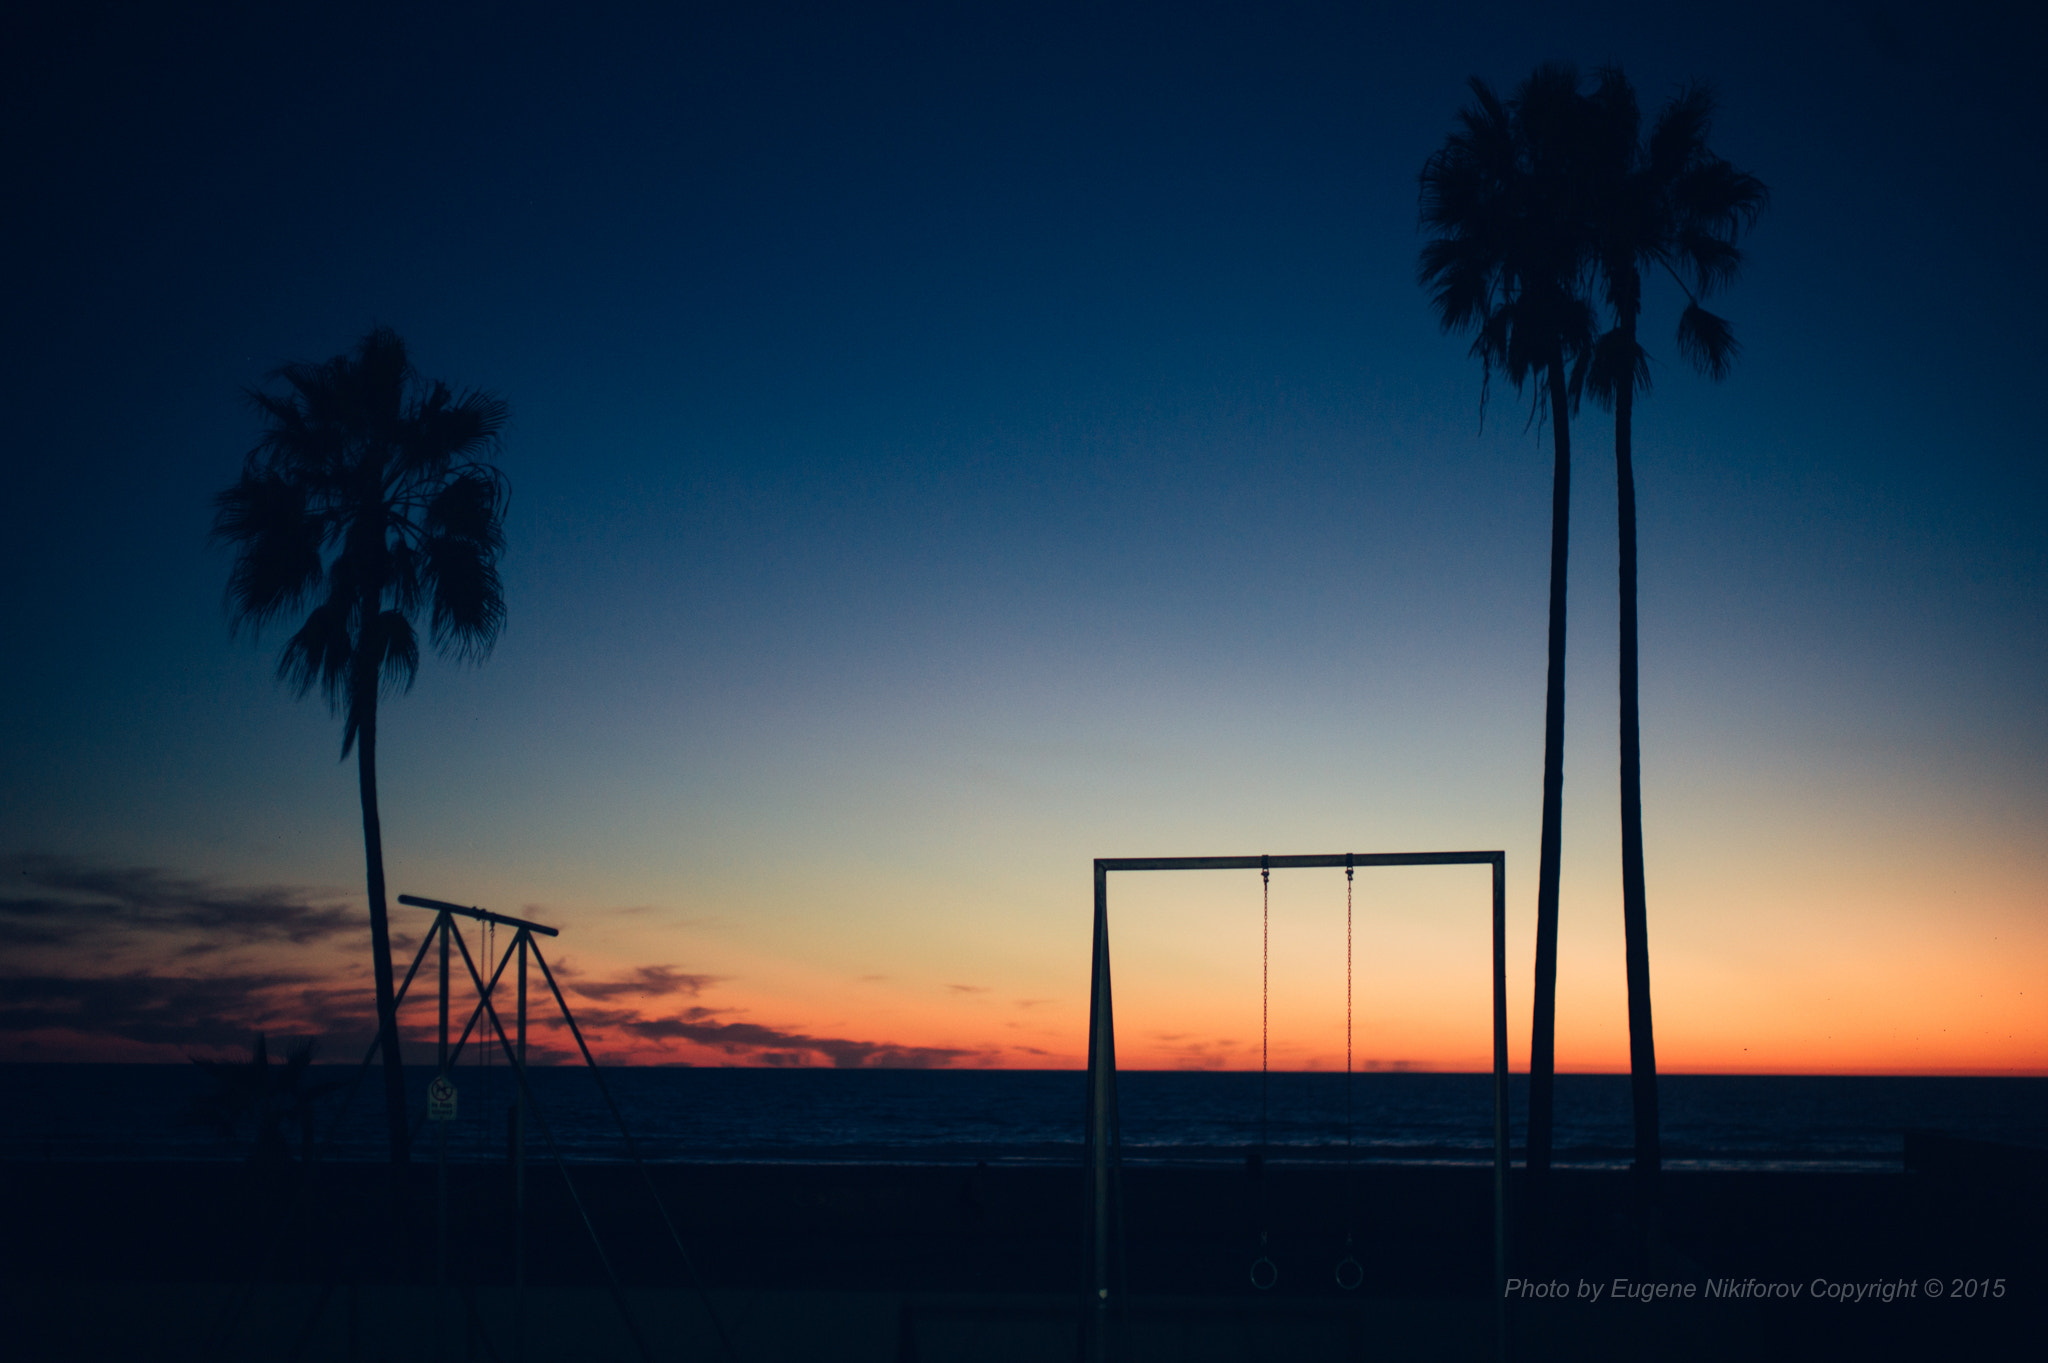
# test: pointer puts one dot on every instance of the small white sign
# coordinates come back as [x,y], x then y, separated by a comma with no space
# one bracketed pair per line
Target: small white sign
[441,1100]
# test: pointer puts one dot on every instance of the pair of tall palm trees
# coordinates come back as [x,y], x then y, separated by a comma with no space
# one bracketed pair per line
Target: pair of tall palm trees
[367,500]
[1545,211]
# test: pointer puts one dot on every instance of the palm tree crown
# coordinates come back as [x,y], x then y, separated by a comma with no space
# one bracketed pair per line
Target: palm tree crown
[366,497]
[1667,204]
[1507,255]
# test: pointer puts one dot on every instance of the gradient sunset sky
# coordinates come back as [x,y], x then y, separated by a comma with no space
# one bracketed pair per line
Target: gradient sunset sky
[952,443]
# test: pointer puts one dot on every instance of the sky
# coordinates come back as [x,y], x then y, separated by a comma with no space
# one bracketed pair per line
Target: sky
[952,443]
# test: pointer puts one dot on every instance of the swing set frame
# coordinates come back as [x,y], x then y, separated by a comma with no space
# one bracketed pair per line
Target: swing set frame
[1103,1155]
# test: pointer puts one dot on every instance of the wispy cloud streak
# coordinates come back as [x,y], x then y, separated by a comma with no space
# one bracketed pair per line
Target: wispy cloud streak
[767,1045]
[650,981]
[63,902]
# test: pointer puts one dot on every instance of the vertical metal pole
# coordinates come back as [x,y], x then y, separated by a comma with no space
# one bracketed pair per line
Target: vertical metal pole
[1101,1117]
[519,1177]
[445,924]
[1500,1103]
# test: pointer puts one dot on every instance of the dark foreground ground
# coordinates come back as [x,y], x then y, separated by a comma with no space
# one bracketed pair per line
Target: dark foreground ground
[192,1261]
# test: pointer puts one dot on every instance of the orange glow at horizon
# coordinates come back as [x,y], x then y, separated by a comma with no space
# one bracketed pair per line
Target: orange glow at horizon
[1781,963]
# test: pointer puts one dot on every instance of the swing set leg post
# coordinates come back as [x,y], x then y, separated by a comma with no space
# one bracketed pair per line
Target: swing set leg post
[441,1164]
[519,1177]
[1500,1105]
[1101,1122]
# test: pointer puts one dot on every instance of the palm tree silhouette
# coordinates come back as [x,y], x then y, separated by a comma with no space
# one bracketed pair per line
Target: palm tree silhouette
[365,498]
[1507,260]
[1670,205]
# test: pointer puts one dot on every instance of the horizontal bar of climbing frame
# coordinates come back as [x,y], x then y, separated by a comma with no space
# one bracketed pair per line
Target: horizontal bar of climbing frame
[485,915]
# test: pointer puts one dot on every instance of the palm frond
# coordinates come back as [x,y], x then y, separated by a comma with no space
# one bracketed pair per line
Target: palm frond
[379,376]
[470,508]
[446,427]
[278,540]
[469,600]
[1460,276]
[1616,361]
[1614,118]
[1680,133]
[322,653]
[1713,194]
[1710,262]
[392,650]
[1707,341]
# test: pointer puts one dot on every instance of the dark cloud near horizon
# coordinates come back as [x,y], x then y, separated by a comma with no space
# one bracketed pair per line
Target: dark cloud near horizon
[658,981]
[115,952]
[71,902]
[773,1046]
[228,1010]
[177,1010]
[62,901]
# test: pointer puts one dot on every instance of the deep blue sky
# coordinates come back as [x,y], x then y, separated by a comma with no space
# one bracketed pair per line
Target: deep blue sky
[952,442]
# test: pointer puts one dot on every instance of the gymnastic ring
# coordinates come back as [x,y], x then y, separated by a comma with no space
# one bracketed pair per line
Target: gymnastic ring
[1264,1273]
[1350,1274]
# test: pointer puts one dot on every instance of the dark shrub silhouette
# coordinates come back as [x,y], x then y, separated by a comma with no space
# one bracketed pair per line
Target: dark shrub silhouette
[273,1097]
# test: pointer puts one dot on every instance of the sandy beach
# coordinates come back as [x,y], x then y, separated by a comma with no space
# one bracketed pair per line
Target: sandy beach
[924,1262]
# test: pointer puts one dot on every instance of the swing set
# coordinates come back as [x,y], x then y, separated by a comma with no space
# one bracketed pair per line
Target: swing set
[1103,1146]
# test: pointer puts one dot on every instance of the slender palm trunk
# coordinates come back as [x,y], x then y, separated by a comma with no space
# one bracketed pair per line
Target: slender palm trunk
[1543,1029]
[380,926]
[1642,1049]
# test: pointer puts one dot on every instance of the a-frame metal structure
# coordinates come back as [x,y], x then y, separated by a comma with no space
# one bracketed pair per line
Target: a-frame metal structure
[522,947]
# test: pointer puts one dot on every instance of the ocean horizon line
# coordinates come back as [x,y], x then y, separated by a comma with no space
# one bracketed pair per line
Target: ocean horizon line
[573,1061]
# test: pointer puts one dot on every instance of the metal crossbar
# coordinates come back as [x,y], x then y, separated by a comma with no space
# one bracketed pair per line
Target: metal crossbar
[471,911]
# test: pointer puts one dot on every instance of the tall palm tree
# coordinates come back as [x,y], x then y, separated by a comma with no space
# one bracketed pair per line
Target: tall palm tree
[366,500]
[1668,205]
[1507,261]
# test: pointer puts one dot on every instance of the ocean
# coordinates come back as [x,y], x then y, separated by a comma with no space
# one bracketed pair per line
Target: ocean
[874,1116]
